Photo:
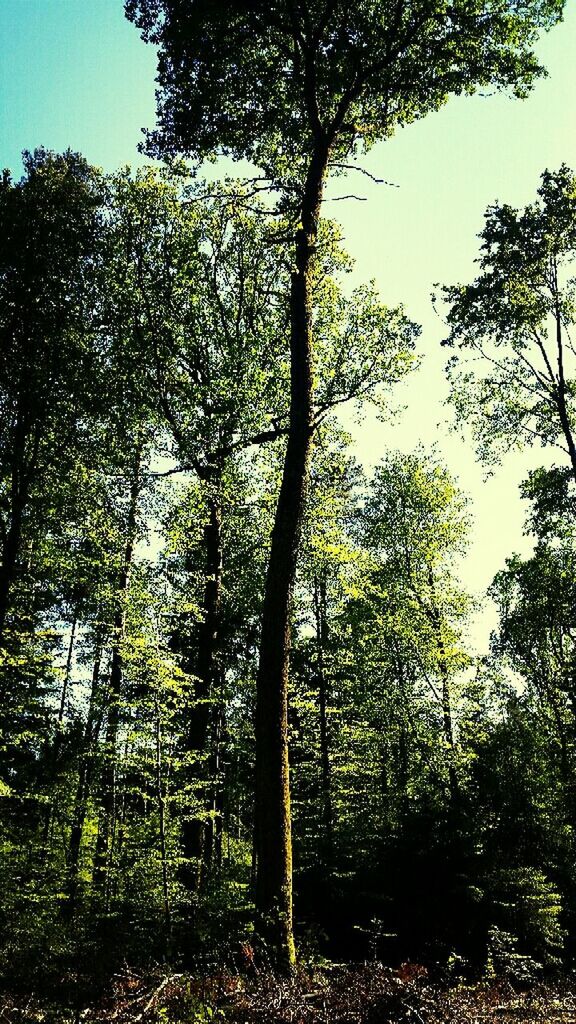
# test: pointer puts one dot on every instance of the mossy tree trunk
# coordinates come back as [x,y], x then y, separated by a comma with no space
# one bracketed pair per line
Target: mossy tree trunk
[273,840]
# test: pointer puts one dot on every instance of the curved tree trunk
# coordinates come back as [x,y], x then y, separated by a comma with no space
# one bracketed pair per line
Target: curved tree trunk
[273,840]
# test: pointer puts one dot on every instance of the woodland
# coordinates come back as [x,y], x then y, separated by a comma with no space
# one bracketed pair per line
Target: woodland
[252,766]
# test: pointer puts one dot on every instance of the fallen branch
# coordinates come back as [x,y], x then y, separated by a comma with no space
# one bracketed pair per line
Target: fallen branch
[166,981]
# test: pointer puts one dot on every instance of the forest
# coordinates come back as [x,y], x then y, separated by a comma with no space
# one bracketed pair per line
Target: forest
[253,767]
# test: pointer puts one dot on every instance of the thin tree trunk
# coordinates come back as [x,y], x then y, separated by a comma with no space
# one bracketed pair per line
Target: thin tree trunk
[83,785]
[108,798]
[22,471]
[162,820]
[119,826]
[53,755]
[403,766]
[562,388]
[205,670]
[447,723]
[213,849]
[10,549]
[273,839]
[565,770]
[68,670]
[320,613]
[221,799]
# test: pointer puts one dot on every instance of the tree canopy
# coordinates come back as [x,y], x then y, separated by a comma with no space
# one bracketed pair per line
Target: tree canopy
[271,81]
[244,708]
[513,374]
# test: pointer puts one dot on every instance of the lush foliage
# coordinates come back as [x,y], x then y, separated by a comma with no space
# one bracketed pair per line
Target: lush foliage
[151,399]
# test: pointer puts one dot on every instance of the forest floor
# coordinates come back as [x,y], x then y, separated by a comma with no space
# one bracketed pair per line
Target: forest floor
[369,994]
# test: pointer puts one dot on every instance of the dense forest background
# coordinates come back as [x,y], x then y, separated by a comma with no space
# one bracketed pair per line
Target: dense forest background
[199,576]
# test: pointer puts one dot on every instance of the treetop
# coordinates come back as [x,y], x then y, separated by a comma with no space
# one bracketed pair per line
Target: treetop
[274,82]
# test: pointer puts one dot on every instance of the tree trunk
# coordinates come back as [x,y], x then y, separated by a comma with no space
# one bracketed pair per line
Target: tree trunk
[53,756]
[447,724]
[21,475]
[205,670]
[68,670]
[325,769]
[213,847]
[83,785]
[108,788]
[273,838]
[119,824]
[160,796]
[403,763]
[562,388]
[10,550]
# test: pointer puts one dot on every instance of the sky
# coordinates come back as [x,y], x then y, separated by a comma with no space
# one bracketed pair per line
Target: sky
[76,74]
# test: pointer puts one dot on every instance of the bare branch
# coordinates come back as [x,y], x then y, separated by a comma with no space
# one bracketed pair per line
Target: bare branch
[338,199]
[367,174]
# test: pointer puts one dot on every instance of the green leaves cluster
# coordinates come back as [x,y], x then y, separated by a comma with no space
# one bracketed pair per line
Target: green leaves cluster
[269,81]
[513,374]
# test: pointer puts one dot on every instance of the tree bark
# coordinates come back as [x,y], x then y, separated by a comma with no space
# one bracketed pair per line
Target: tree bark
[273,840]
[205,670]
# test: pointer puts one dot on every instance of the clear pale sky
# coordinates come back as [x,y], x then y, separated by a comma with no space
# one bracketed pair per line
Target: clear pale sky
[74,73]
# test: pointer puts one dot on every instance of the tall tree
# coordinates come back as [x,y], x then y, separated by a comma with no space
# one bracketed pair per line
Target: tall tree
[116,680]
[536,600]
[298,87]
[206,324]
[329,563]
[415,523]
[50,231]
[209,322]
